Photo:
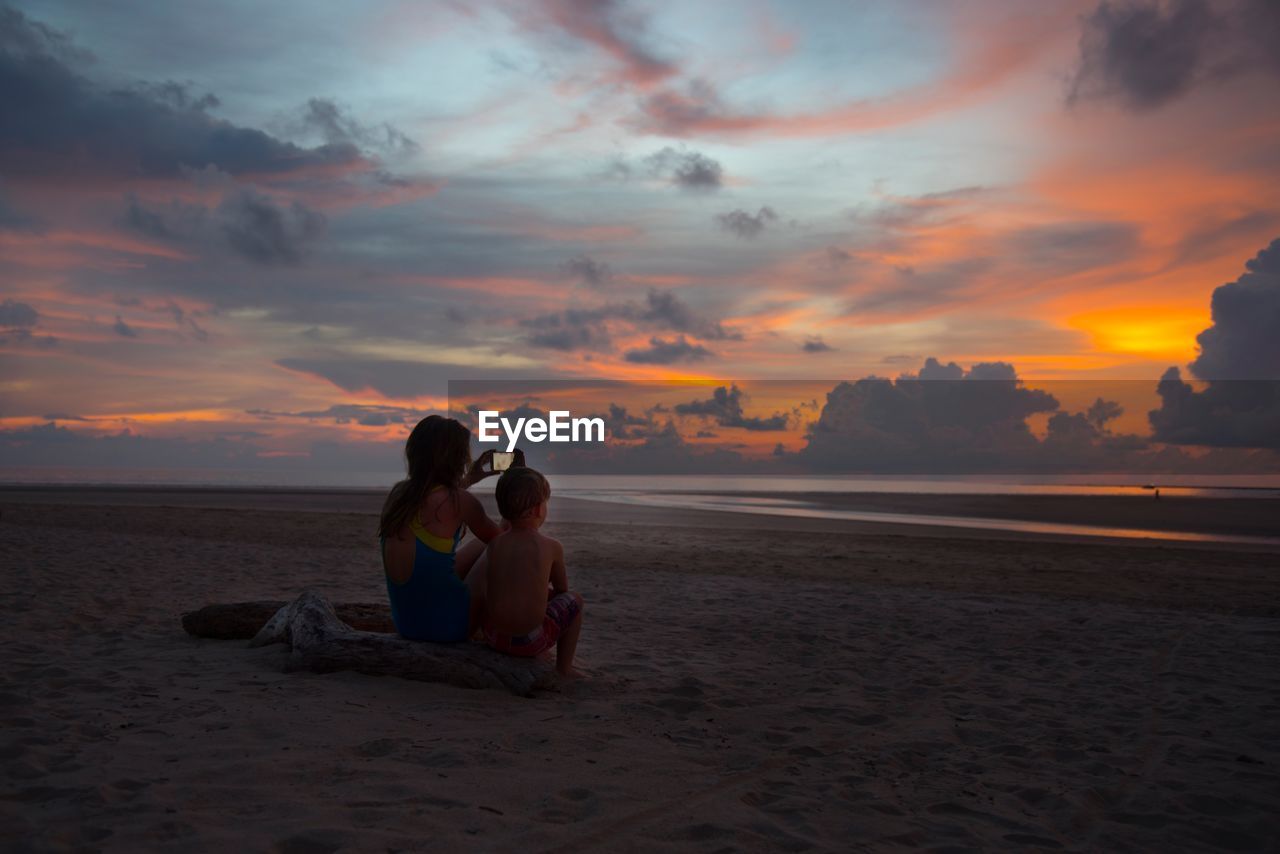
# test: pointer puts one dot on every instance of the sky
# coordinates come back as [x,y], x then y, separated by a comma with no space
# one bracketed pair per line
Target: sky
[269,235]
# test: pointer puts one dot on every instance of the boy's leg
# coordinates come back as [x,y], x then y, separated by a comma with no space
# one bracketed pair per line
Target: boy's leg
[567,645]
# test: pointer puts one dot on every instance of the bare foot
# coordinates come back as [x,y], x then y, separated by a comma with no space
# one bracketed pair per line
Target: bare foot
[571,673]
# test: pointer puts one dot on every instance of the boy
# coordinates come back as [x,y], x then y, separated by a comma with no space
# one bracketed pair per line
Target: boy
[521,615]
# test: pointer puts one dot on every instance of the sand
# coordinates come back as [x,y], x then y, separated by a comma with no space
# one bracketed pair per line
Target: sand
[755,683]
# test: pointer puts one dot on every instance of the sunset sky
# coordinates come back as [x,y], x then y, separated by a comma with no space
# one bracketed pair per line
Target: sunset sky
[249,232]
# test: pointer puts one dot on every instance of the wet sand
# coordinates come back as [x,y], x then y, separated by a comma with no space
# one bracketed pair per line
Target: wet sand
[755,683]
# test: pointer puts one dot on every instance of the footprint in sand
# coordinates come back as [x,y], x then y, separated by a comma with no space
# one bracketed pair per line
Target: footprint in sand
[380,747]
[569,806]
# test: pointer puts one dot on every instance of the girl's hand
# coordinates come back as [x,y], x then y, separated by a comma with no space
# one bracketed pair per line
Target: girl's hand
[478,472]
[519,459]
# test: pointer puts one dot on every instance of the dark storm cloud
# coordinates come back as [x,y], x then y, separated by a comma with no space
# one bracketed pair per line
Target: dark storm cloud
[943,419]
[1146,53]
[596,274]
[1238,405]
[746,225]
[668,351]
[725,408]
[1243,342]
[1222,414]
[587,328]
[815,344]
[55,120]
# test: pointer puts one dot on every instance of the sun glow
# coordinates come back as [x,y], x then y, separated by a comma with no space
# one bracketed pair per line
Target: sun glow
[1156,331]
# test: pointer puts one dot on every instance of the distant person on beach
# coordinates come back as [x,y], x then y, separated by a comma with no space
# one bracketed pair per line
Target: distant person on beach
[436,589]
[528,605]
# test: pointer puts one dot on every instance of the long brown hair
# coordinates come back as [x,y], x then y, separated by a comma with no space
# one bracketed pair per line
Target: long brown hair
[438,453]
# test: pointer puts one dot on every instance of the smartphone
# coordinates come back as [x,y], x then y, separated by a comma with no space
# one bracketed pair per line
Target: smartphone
[502,460]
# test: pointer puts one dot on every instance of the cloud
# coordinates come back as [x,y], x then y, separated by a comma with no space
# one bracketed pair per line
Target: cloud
[1071,247]
[17,315]
[815,344]
[910,289]
[725,408]
[987,56]
[366,415]
[1243,343]
[688,170]
[55,121]
[249,223]
[569,331]
[837,258]
[337,127]
[17,320]
[1147,53]
[1223,414]
[266,233]
[945,418]
[610,26]
[1211,238]
[123,329]
[666,310]
[395,378]
[390,378]
[588,328]
[662,351]
[596,274]
[1238,402]
[744,225]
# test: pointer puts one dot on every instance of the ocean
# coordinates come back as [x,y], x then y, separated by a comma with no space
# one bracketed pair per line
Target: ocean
[937,500]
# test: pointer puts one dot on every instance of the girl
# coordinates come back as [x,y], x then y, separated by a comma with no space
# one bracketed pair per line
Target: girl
[436,590]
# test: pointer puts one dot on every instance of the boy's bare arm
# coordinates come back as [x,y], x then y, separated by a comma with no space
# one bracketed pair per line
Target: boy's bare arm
[559,576]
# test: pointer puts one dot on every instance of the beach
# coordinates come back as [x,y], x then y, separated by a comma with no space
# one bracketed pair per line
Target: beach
[754,683]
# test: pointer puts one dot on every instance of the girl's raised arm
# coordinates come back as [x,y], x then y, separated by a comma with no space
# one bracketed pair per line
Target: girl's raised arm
[476,519]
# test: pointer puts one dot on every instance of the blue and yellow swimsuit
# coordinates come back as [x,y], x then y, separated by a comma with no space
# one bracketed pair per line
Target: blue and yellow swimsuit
[434,604]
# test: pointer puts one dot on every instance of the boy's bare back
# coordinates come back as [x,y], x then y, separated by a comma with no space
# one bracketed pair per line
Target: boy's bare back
[522,562]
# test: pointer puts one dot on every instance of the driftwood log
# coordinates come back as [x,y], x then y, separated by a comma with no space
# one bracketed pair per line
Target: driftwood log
[243,620]
[322,642]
